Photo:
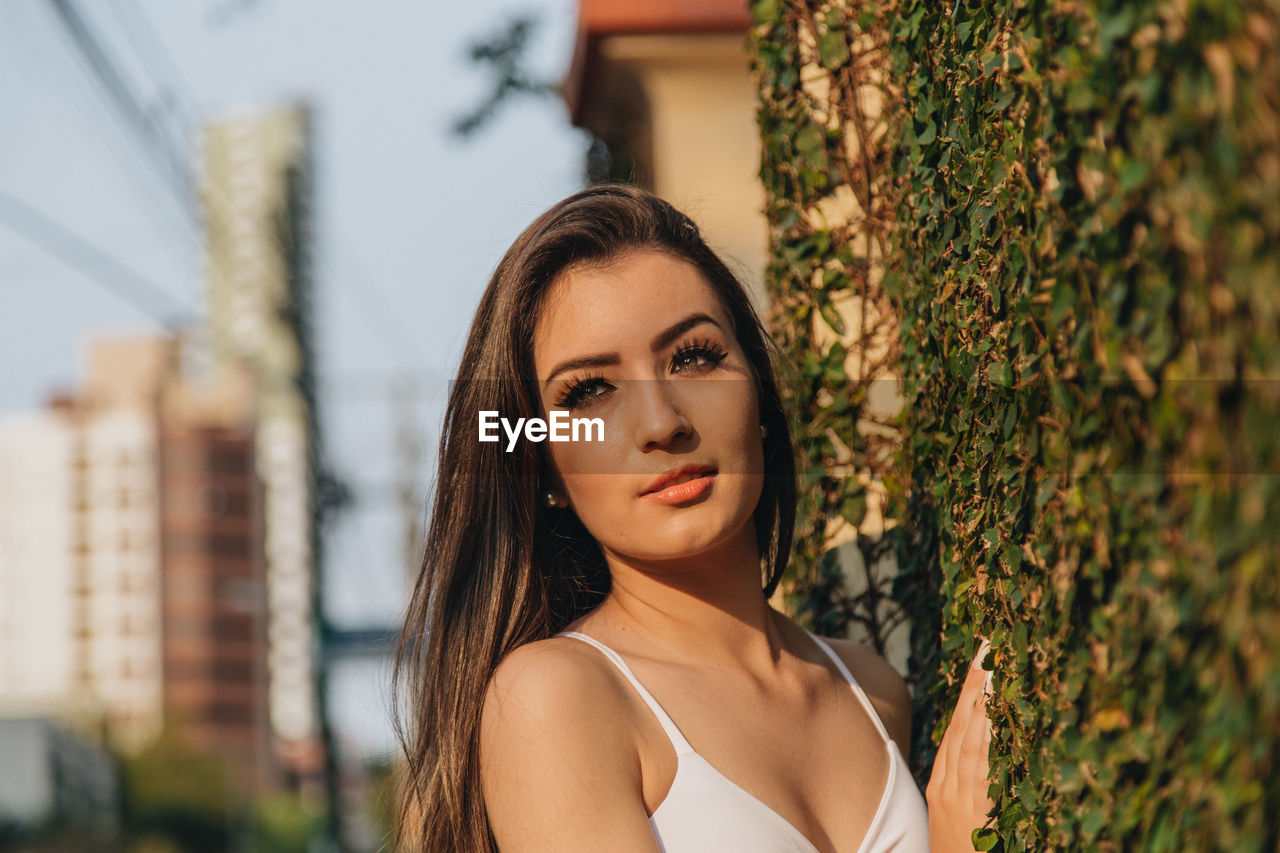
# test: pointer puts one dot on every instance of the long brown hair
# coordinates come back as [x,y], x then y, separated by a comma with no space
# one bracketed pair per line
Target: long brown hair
[500,568]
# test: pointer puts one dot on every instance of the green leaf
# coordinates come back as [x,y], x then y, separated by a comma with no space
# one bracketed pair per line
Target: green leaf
[767,11]
[832,317]
[812,369]
[853,508]
[1000,374]
[927,135]
[833,49]
[1012,555]
[811,142]
[984,839]
[840,403]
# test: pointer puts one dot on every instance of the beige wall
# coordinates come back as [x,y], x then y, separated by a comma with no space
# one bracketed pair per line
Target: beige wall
[705,145]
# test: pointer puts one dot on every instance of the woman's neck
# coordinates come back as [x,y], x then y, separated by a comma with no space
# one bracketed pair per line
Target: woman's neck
[708,608]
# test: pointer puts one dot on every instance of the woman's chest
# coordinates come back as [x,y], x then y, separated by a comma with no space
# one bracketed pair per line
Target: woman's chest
[813,771]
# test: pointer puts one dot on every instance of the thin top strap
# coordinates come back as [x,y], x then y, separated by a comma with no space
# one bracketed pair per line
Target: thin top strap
[857,688]
[673,733]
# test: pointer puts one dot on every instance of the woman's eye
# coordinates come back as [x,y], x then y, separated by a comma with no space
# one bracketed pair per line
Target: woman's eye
[583,393]
[697,356]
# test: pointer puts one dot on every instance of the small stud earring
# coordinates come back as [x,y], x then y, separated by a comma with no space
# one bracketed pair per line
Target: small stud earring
[764,431]
[550,499]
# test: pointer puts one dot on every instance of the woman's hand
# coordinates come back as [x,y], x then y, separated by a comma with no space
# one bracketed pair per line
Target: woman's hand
[957,790]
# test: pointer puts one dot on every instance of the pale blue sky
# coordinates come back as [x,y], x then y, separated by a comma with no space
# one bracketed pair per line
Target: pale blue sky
[409,221]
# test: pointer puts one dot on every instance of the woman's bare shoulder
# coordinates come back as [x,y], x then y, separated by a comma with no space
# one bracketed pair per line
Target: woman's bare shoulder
[554,725]
[557,683]
[884,686]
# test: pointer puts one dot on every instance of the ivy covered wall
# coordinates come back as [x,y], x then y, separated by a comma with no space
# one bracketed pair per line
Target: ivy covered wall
[1076,208]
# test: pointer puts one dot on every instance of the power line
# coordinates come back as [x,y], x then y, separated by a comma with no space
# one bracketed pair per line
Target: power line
[82,100]
[406,346]
[95,264]
[174,99]
[149,47]
[129,106]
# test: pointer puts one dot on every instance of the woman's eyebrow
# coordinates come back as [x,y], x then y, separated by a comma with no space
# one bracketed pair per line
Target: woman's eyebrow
[583,361]
[662,341]
[668,337]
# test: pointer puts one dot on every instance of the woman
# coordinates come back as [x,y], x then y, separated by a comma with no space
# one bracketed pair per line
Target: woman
[590,655]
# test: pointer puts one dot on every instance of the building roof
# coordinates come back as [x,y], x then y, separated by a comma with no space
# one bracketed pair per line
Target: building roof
[599,19]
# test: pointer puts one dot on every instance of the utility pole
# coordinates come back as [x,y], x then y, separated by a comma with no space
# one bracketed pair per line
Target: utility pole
[412,499]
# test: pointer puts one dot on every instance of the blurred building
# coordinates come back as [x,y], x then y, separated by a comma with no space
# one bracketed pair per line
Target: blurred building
[132,570]
[214,592]
[79,551]
[54,777]
[666,86]
[39,613]
[256,193]
[158,533]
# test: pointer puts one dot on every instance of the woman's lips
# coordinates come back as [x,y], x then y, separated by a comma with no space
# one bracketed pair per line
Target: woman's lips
[682,488]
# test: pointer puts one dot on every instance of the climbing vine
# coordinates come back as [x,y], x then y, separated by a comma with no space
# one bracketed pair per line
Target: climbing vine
[1076,208]
[824,161]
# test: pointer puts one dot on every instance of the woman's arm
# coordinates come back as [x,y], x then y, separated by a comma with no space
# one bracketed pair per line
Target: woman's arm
[559,765]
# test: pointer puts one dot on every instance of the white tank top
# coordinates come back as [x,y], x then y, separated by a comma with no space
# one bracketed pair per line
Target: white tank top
[704,812]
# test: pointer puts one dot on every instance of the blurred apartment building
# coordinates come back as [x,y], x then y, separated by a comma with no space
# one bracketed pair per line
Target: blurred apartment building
[157,535]
[256,191]
[131,558]
[50,770]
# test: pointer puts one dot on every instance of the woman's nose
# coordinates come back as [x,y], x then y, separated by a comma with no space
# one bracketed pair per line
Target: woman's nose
[659,415]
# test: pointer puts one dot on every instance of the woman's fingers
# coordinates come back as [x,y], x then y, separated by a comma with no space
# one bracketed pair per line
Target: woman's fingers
[957,791]
[939,765]
[948,771]
[972,769]
[971,695]
[968,711]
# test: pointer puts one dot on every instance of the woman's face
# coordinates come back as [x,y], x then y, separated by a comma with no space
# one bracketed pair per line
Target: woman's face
[643,344]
